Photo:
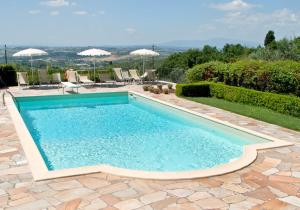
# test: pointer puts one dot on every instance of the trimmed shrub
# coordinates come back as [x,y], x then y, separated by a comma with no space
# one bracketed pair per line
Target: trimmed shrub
[278,77]
[280,103]
[8,76]
[193,90]
[208,71]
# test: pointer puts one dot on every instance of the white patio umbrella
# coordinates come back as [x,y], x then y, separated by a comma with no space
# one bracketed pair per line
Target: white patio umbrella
[94,53]
[30,53]
[144,53]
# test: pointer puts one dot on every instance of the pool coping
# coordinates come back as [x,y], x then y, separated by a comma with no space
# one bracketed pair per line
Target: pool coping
[40,171]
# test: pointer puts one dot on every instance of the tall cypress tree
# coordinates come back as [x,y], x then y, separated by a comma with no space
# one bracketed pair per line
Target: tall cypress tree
[270,39]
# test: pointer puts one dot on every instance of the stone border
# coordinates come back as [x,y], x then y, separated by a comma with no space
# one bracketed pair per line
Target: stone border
[40,171]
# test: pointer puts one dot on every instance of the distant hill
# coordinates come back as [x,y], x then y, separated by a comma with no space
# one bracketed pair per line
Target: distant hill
[218,42]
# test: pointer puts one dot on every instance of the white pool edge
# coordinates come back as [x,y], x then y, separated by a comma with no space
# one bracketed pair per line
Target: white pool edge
[40,171]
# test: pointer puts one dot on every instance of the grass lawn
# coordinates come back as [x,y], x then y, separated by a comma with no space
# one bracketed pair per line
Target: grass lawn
[255,112]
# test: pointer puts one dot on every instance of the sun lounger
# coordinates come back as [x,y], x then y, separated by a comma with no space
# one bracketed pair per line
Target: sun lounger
[69,85]
[118,74]
[22,79]
[72,76]
[106,78]
[126,76]
[85,80]
[149,75]
[56,78]
[134,75]
[43,77]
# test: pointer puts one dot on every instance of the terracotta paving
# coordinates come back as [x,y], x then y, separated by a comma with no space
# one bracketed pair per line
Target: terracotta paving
[272,182]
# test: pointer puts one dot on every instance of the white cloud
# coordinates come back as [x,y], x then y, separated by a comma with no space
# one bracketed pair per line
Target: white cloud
[80,13]
[34,12]
[56,3]
[278,18]
[130,30]
[54,13]
[233,5]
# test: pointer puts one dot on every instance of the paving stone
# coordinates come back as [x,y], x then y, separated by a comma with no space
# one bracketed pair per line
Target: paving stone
[220,192]
[110,199]
[261,193]
[270,171]
[72,205]
[234,199]
[198,196]
[125,193]
[96,204]
[112,188]
[2,192]
[181,193]
[277,192]
[164,203]
[272,205]
[68,195]
[291,200]
[93,183]
[65,185]
[296,174]
[235,188]
[153,197]
[276,178]
[35,205]
[211,203]
[128,204]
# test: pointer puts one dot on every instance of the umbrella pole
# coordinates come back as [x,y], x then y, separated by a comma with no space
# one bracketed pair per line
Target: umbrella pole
[95,70]
[143,65]
[31,70]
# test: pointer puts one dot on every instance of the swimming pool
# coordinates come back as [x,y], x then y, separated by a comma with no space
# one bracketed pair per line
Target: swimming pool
[128,131]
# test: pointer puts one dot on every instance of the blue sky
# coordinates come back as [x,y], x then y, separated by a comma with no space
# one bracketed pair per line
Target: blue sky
[102,22]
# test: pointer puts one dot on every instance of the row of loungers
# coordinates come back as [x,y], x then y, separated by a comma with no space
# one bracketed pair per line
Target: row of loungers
[74,80]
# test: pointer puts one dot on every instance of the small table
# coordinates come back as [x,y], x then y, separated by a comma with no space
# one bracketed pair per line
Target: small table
[69,85]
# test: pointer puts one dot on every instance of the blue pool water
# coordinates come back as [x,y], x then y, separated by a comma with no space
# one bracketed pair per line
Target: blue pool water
[127,132]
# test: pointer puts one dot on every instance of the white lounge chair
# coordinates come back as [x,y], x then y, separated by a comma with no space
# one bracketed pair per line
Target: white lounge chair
[56,78]
[134,75]
[72,76]
[43,77]
[118,74]
[69,85]
[85,80]
[126,76]
[149,75]
[106,78]
[22,79]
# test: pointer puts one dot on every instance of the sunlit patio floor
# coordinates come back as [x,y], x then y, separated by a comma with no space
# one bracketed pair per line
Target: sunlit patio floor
[271,182]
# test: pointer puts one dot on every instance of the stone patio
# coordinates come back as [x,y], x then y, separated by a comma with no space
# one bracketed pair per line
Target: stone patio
[272,182]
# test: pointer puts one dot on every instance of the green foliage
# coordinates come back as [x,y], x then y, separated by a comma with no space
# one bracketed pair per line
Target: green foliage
[8,76]
[270,40]
[280,103]
[174,67]
[193,90]
[278,76]
[212,71]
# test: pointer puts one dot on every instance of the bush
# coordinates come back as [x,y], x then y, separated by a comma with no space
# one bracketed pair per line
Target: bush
[208,71]
[280,103]
[193,90]
[8,76]
[278,77]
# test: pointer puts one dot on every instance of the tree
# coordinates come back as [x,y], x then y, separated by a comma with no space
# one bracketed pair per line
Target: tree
[270,39]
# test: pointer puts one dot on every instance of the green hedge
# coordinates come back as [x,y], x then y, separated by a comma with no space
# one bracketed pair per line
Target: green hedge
[8,76]
[278,77]
[280,103]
